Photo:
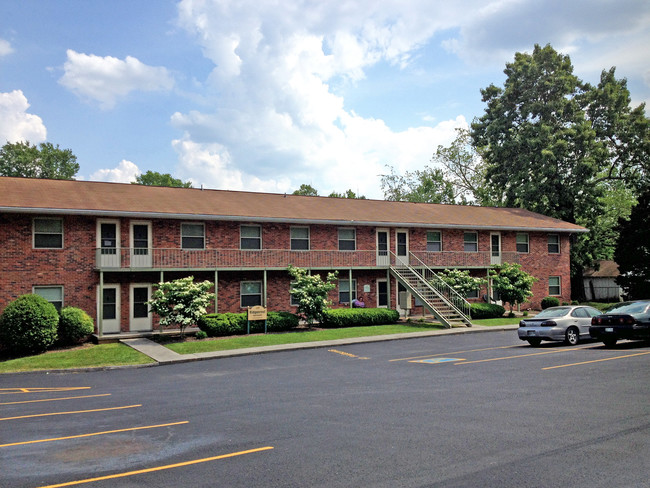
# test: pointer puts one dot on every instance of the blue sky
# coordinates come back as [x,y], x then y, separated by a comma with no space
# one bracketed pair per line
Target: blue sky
[266,95]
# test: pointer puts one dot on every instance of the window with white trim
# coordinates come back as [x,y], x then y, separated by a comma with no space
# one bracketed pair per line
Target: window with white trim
[53,294]
[293,300]
[250,237]
[250,293]
[522,242]
[434,241]
[48,233]
[299,238]
[347,239]
[344,291]
[192,236]
[470,241]
[553,244]
[554,286]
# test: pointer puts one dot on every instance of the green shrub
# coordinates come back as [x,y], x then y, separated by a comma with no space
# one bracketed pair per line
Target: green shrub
[481,310]
[28,325]
[200,335]
[227,324]
[550,302]
[358,317]
[75,326]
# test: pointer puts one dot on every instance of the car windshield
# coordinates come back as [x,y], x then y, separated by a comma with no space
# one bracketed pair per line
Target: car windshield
[553,312]
[633,307]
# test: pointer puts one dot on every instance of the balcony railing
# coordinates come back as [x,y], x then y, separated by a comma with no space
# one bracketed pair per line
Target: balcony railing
[156,258]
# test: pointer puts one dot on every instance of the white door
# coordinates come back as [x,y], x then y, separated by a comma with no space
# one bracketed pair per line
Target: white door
[108,233]
[495,248]
[141,244]
[110,304]
[402,246]
[383,257]
[382,294]
[140,316]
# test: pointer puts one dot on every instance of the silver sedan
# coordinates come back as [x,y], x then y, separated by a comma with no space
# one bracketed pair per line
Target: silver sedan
[569,324]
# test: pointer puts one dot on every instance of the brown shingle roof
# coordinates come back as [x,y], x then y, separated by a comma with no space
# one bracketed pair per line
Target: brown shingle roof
[116,199]
[606,269]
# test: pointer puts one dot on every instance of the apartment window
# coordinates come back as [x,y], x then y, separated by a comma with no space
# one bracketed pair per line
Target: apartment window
[250,293]
[553,244]
[48,233]
[470,241]
[522,243]
[300,238]
[347,239]
[554,288]
[472,294]
[192,236]
[344,291]
[434,241]
[53,294]
[250,237]
[293,301]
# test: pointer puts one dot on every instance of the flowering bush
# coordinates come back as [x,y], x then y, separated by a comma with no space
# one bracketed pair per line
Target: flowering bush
[311,292]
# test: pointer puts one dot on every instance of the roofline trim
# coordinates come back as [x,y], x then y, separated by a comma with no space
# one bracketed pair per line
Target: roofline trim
[231,218]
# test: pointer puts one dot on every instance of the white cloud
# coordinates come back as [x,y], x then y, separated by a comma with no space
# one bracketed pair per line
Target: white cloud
[108,79]
[125,172]
[5,48]
[15,123]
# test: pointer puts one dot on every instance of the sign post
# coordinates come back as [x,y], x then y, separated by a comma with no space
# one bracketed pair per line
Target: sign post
[256,313]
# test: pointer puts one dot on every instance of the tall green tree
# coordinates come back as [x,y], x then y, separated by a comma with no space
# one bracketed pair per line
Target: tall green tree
[306,190]
[633,250]
[421,186]
[153,178]
[23,159]
[552,142]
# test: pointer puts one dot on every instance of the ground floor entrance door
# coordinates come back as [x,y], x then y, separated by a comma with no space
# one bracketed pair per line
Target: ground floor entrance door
[110,304]
[140,316]
[382,294]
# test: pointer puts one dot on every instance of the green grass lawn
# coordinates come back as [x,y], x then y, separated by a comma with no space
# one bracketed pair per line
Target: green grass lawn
[118,354]
[86,357]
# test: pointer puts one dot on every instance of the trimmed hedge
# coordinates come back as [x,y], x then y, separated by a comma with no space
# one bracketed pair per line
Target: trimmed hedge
[550,302]
[358,317]
[75,326]
[486,311]
[28,325]
[227,324]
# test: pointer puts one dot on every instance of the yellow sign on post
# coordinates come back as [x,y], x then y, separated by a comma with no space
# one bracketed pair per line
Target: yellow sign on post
[257,313]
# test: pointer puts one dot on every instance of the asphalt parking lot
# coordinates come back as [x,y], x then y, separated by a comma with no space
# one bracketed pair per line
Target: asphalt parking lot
[456,411]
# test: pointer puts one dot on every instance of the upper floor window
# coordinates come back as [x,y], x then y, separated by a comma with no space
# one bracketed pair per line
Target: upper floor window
[522,242]
[300,238]
[470,241]
[192,236]
[53,294]
[434,241]
[251,237]
[553,244]
[48,233]
[347,240]
[554,286]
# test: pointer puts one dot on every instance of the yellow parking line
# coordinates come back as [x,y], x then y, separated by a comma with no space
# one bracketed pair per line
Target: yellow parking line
[454,352]
[68,413]
[522,355]
[92,434]
[12,391]
[597,360]
[159,468]
[56,399]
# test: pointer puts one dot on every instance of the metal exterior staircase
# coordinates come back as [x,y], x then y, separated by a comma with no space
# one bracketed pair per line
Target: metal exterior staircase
[451,309]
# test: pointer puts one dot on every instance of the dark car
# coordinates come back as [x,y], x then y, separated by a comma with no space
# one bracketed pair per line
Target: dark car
[627,320]
[569,323]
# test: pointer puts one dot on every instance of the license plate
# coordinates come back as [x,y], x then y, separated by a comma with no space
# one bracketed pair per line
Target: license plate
[531,333]
[609,329]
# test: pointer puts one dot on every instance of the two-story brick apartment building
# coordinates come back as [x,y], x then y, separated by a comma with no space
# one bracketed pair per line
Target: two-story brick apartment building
[103,246]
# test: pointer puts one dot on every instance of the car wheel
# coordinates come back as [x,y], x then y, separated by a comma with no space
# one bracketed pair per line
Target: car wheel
[572,336]
[610,341]
[535,341]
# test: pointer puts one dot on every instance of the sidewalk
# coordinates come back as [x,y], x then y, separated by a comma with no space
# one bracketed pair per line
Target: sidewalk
[163,355]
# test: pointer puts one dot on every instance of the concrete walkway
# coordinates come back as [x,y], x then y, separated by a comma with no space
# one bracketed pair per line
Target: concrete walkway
[163,355]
